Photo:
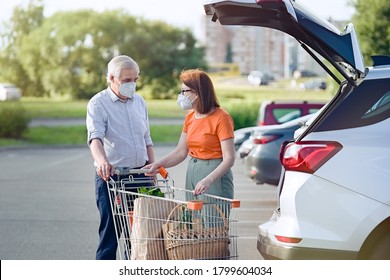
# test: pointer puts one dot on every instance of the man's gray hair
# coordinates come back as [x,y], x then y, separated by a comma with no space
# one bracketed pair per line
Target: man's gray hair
[118,63]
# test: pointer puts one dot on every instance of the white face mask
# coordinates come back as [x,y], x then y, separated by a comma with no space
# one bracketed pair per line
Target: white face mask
[184,102]
[127,89]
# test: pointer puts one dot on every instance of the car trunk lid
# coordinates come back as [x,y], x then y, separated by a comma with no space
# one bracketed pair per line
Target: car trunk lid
[341,49]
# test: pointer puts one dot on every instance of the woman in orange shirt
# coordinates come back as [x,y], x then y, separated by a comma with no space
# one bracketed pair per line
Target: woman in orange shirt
[207,137]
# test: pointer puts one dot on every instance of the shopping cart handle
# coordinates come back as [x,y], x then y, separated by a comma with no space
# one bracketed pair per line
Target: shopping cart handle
[127,171]
[163,172]
[138,171]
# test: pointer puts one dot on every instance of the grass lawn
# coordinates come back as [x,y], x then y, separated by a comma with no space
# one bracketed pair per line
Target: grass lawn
[230,92]
[38,108]
[233,93]
[77,135]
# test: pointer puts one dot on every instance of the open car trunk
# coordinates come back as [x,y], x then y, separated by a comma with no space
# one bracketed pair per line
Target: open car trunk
[341,49]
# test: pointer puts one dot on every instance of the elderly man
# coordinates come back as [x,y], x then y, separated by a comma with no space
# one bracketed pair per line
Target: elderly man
[118,137]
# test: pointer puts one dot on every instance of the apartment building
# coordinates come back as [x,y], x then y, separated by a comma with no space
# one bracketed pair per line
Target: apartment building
[257,48]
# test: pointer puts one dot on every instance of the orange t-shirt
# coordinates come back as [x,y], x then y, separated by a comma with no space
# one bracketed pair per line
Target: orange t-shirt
[204,135]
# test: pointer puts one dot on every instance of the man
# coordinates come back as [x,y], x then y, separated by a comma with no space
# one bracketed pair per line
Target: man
[119,138]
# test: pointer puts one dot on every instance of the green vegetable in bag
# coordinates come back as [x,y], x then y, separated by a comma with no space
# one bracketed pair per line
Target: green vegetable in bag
[186,217]
[151,191]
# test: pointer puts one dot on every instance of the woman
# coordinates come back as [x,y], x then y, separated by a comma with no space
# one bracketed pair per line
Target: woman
[207,137]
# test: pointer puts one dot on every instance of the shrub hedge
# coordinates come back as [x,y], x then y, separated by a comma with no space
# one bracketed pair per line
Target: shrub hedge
[244,115]
[13,120]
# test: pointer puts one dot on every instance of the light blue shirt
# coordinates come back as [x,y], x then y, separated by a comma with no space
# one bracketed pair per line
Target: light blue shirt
[122,127]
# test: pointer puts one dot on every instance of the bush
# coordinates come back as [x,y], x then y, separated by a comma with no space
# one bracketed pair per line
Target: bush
[13,120]
[244,115]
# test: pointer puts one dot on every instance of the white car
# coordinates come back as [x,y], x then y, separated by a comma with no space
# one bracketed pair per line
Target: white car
[334,195]
[9,92]
[258,78]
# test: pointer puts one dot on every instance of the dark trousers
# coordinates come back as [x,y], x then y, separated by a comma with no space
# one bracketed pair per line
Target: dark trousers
[107,237]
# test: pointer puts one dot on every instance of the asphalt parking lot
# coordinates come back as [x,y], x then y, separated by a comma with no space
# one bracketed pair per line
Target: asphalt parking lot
[48,212]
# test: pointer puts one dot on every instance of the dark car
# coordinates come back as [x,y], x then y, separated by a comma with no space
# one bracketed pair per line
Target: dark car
[243,138]
[242,135]
[262,162]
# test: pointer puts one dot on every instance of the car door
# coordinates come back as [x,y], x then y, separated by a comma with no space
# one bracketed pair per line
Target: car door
[316,36]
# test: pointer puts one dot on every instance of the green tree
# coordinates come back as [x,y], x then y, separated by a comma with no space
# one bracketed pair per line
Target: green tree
[372,23]
[163,52]
[70,59]
[66,54]
[21,24]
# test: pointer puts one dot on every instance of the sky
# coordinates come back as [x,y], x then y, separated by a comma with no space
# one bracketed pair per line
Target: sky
[182,13]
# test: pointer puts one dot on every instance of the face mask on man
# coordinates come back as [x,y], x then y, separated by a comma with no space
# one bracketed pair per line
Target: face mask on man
[127,89]
[184,102]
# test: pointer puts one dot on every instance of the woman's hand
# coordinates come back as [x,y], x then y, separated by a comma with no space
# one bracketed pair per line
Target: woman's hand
[153,169]
[202,186]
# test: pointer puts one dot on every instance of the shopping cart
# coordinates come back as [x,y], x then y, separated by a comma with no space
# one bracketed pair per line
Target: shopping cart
[163,222]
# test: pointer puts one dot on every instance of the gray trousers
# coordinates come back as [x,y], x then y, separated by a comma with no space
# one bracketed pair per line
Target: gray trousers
[199,169]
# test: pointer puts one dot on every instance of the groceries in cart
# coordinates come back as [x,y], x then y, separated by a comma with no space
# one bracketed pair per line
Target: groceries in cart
[163,222]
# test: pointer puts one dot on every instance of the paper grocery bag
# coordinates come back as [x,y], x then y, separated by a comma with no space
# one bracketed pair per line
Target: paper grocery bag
[147,241]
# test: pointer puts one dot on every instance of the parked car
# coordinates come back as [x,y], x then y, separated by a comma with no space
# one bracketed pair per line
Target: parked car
[261,152]
[258,78]
[241,135]
[243,138]
[333,196]
[313,84]
[9,92]
[281,111]
[307,73]
[275,113]
[246,146]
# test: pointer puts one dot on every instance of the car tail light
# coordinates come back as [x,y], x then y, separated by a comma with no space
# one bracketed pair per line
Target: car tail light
[287,239]
[264,139]
[308,156]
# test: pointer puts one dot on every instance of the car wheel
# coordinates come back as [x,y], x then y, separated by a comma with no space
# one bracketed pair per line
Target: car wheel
[381,250]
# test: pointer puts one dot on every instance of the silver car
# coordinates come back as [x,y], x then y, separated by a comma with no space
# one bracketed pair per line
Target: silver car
[9,92]
[261,152]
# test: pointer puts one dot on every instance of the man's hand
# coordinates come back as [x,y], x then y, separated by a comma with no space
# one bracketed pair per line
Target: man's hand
[105,170]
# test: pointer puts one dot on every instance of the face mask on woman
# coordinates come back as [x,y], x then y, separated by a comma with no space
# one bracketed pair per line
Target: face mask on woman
[127,89]
[184,102]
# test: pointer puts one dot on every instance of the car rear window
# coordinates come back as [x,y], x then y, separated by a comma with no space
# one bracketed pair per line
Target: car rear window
[313,110]
[285,114]
[367,104]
